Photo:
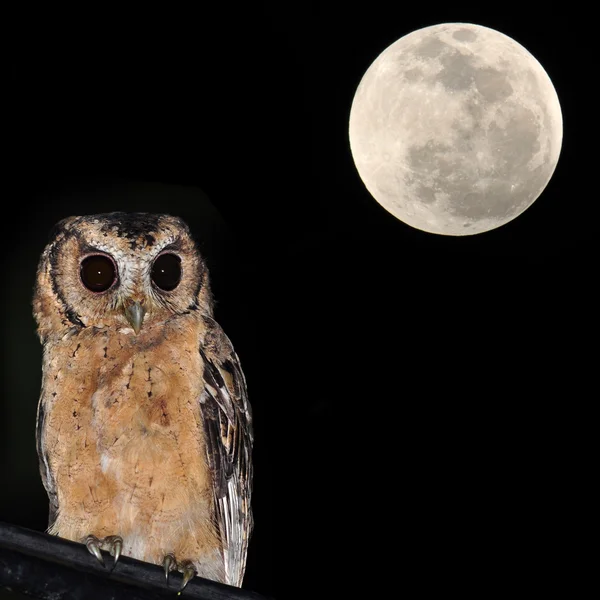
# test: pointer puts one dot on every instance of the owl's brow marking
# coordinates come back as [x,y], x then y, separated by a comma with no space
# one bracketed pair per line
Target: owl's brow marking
[175,245]
[87,250]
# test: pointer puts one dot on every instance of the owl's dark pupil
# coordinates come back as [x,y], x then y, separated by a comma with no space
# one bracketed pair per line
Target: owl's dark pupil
[166,272]
[97,273]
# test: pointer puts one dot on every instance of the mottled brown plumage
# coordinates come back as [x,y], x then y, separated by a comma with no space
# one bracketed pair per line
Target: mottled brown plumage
[147,436]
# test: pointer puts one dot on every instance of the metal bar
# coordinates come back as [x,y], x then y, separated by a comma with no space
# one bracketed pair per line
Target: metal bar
[49,567]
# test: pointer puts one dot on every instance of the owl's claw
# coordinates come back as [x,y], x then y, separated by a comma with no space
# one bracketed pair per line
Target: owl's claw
[93,545]
[115,543]
[189,572]
[169,563]
[185,566]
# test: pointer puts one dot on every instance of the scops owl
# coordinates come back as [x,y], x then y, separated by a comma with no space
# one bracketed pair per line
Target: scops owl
[144,429]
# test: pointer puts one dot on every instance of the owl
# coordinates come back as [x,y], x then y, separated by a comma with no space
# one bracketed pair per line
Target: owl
[144,430]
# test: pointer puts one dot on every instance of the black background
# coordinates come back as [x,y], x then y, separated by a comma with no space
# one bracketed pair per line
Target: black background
[420,401]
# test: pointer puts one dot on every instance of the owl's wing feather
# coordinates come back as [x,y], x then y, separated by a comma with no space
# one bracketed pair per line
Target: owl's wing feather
[227,420]
[46,473]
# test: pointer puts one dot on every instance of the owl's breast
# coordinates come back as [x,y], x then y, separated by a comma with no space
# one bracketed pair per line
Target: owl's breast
[147,408]
[144,384]
[126,417]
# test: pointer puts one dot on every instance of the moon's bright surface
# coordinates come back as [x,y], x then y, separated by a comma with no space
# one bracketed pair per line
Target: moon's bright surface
[455,129]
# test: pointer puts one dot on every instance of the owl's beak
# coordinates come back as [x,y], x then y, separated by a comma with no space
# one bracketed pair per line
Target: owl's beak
[134,313]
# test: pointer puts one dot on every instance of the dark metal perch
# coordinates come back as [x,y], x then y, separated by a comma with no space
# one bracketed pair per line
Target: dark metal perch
[48,567]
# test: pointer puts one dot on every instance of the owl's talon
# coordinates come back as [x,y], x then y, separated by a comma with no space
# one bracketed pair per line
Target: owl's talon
[115,543]
[189,571]
[93,545]
[169,564]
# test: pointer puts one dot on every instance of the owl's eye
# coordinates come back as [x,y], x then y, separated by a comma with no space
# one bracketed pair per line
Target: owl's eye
[166,272]
[98,273]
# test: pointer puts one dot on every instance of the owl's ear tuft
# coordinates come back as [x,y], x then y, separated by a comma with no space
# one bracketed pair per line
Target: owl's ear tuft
[62,226]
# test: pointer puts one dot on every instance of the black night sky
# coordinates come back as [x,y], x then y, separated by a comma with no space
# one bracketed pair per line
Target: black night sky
[419,400]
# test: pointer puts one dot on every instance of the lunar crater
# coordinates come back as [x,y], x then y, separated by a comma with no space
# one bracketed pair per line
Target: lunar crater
[464,35]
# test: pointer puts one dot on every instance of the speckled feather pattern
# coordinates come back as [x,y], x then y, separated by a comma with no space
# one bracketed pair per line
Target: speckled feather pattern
[132,439]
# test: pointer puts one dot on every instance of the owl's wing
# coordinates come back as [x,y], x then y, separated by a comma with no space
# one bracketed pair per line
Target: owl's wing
[47,478]
[227,420]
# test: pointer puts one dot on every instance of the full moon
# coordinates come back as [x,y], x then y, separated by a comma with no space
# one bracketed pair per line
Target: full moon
[455,129]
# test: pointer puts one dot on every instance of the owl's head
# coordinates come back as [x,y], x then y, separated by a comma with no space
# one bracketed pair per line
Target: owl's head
[119,270]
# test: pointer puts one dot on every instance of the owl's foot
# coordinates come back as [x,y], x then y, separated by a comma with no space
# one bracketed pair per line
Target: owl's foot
[186,567]
[112,543]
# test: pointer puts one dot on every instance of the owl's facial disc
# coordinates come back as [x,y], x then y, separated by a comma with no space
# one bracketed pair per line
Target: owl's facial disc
[122,272]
